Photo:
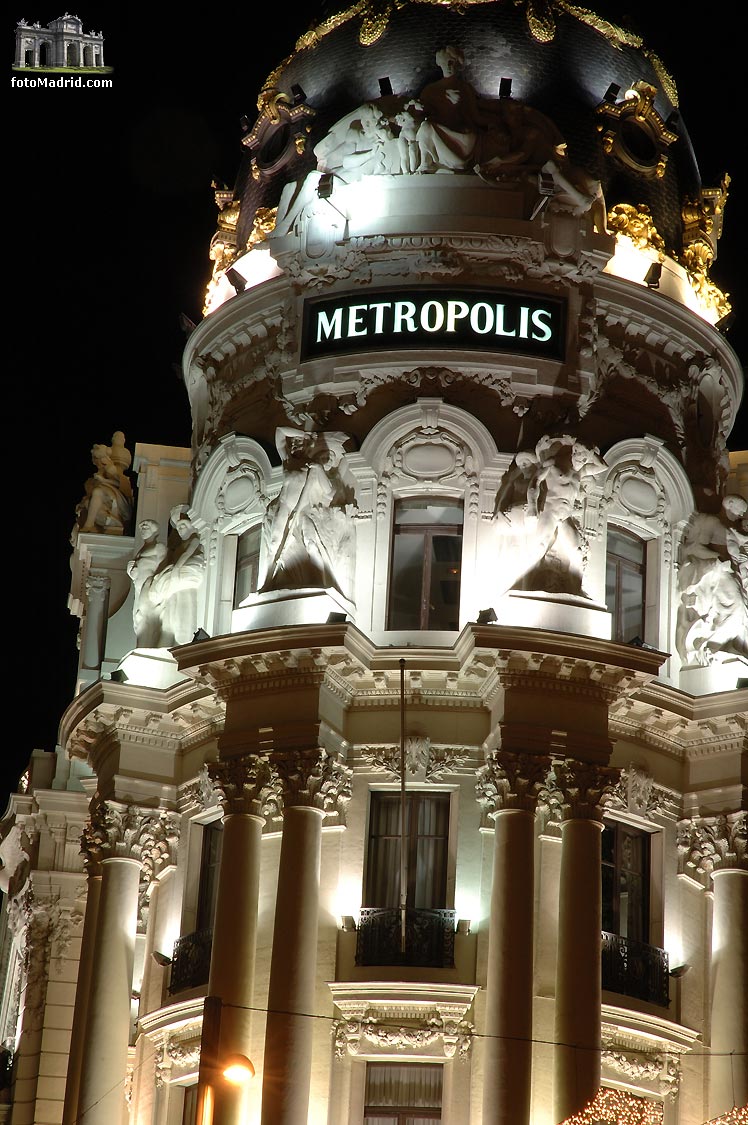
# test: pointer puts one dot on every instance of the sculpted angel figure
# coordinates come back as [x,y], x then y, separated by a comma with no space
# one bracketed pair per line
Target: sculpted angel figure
[309,533]
[540,539]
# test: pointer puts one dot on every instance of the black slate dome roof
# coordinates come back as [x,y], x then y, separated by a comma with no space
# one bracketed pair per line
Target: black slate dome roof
[561,58]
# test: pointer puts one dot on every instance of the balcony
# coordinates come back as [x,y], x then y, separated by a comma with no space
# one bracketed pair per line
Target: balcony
[429,938]
[190,966]
[633,968]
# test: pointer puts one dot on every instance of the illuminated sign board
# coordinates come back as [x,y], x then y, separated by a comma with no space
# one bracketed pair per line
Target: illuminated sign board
[434,317]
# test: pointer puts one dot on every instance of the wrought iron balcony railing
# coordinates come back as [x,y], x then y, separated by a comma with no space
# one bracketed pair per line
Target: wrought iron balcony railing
[633,968]
[429,937]
[190,965]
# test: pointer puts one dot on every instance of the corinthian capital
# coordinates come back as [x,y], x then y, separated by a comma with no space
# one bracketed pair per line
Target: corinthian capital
[511,781]
[121,831]
[246,784]
[713,843]
[578,790]
[313,778]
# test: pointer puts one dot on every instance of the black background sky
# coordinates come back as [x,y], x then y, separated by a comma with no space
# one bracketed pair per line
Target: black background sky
[109,215]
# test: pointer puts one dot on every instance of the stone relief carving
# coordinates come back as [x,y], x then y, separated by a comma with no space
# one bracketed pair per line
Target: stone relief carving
[119,830]
[246,784]
[432,761]
[166,581]
[315,778]
[577,790]
[712,623]
[636,792]
[309,533]
[449,127]
[511,781]
[106,506]
[540,540]
[367,1035]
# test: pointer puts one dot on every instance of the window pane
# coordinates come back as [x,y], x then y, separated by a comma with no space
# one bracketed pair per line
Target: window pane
[632,604]
[404,1085]
[434,512]
[406,581]
[628,547]
[444,592]
[247,564]
[209,866]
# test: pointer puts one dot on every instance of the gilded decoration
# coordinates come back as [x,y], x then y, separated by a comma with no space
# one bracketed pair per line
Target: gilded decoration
[702,228]
[636,224]
[634,133]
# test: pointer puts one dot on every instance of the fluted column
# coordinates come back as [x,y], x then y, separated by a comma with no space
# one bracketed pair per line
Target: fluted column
[92,858]
[714,848]
[246,785]
[313,783]
[507,787]
[577,1052]
[133,842]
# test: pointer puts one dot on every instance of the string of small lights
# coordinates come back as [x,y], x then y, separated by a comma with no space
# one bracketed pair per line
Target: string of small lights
[617,1107]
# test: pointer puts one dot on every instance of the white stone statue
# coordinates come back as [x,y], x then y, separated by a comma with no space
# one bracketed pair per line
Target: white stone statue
[167,599]
[146,617]
[106,506]
[712,621]
[309,533]
[540,542]
[361,144]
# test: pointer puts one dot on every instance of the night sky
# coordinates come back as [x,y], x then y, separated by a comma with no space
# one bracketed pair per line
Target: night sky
[110,212]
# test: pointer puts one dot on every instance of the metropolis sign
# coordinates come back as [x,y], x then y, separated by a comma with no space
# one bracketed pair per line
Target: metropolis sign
[434,317]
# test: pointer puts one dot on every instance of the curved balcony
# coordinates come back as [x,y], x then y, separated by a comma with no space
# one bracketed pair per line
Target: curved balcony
[633,968]
[190,966]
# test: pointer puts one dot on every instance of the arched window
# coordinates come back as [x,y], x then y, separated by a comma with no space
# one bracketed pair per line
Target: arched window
[426,564]
[625,585]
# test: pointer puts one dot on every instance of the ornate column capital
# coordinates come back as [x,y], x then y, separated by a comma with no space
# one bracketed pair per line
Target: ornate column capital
[314,779]
[246,784]
[577,790]
[712,843]
[120,831]
[511,781]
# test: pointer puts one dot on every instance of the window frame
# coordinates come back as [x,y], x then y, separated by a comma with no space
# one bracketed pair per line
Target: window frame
[621,564]
[429,532]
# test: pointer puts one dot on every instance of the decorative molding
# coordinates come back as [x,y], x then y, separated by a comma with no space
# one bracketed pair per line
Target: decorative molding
[313,778]
[511,781]
[424,760]
[577,790]
[246,784]
[636,792]
[371,1036]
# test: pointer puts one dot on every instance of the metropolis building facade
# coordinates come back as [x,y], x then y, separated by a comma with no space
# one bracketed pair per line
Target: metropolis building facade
[406,760]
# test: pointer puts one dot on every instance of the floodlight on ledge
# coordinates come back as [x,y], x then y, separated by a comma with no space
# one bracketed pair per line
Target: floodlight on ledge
[487,616]
[238,1070]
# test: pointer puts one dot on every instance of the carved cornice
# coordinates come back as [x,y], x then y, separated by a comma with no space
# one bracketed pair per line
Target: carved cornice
[712,843]
[511,781]
[198,794]
[683,732]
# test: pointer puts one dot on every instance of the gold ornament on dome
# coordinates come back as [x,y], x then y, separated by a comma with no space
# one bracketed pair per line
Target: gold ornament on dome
[263,224]
[375,16]
[702,228]
[634,133]
[636,224]
[280,131]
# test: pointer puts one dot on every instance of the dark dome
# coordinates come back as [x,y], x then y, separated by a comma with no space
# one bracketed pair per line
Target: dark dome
[560,63]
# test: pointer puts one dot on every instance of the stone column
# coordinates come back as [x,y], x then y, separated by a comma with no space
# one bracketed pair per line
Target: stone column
[577,1052]
[133,842]
[507,787]
[92,859]
[93,640]
[313,783]
[716,847]
[246,784]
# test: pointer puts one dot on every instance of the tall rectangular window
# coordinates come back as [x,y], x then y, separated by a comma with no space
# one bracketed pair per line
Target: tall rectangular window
[625,881]
[426,565]
[247,564]
[625,585]
[403,1093]
[426,843]
[210,863]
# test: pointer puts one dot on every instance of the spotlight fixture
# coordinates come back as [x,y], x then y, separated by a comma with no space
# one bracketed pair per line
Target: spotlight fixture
[348,924]
[118,676]
[236,279]
[244,123]
[505,87]
[200,635]
[325,185]
[487,616]
[611,94]
[546,188]
[725,322]
[337,618]
[238,1070]
[679,970]
[463,926]
[672,121]
[653,275]
[298,94]
[161,958]
[385,88]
